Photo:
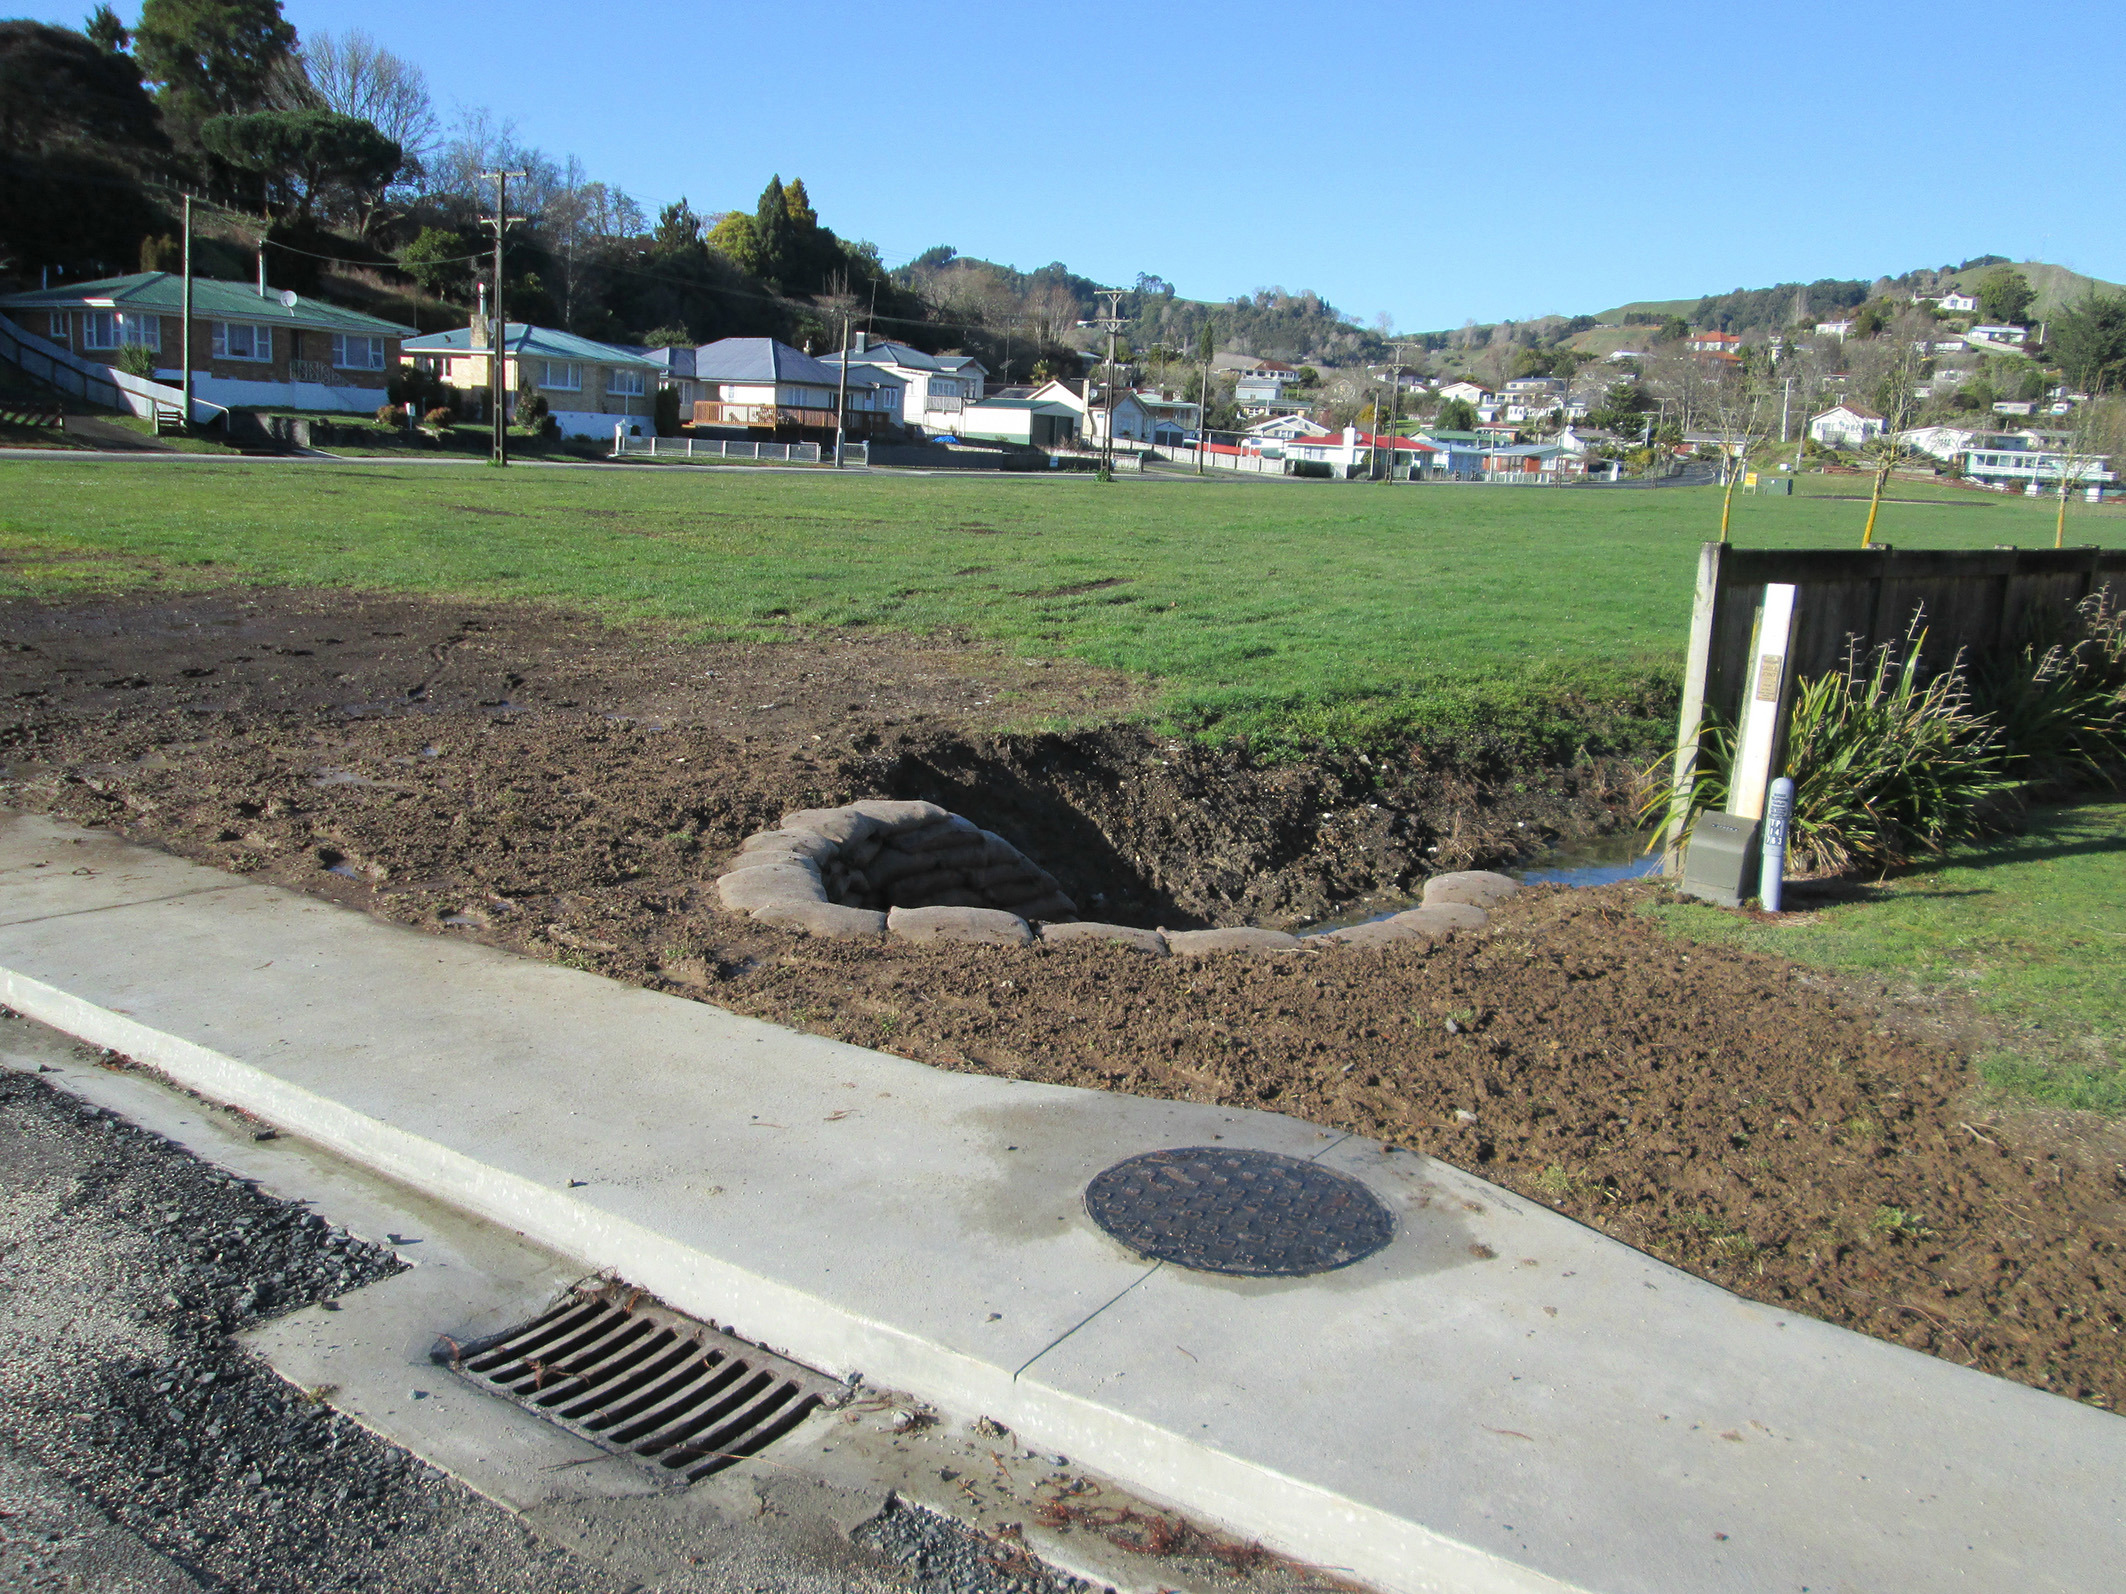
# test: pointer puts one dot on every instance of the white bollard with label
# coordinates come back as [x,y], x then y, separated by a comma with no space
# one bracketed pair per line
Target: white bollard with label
[1778,815]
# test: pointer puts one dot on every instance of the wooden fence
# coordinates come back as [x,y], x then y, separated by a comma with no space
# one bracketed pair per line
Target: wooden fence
[1984,602]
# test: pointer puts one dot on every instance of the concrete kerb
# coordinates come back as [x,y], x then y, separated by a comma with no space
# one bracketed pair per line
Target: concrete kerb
[918,872]
[1499,1400]
[1236,1494]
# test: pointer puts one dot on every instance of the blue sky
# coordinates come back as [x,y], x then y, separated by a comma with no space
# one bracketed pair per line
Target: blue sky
[1436,163]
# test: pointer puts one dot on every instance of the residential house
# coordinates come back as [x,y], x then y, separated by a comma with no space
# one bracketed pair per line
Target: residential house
[1845,426]
[2020,462]
[1352,453]
[935,387]
[1280,428]
[762,384]
[1528,397]
[1715,343]
[589,387]
[1621,356]
[2014,407]
[1531,464]
[1938,442]
[1833,329]
[1174,418]
[1996,339]
[250,348]
[1497,434]
[1958,302]
[1474,393]
[1261,392]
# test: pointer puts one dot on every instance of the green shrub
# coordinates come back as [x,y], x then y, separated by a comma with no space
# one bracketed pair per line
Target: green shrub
[137,360]
[2061,707]
[1886,762]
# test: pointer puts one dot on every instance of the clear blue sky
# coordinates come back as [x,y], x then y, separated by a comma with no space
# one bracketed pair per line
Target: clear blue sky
[1434,162]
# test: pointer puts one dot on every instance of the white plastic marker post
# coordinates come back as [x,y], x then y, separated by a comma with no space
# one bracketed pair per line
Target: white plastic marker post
[1761,707]
[1778,815]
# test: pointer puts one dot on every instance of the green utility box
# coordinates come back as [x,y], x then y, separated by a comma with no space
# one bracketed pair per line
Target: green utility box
[1720,860]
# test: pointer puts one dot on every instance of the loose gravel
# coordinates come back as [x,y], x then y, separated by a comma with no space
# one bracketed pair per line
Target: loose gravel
[943,1557]
[143,1452]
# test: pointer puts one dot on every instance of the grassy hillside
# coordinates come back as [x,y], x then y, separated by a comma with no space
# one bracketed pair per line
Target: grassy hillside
[1647,309]
[2056,286]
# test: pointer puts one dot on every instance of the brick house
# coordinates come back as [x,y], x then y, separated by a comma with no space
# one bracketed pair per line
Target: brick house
[250,350]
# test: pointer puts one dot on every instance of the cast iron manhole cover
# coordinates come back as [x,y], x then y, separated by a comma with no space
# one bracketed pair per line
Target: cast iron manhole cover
[1225,1211]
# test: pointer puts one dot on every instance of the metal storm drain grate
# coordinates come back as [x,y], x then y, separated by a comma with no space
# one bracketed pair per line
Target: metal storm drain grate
[1226,1211]
[639,1379]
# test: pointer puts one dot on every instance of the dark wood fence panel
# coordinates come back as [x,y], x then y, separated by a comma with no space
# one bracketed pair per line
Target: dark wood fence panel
[1984,602]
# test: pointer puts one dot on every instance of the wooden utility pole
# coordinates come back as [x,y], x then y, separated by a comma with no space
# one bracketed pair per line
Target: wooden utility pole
[1112,323]
[184,334]
[841,399]
[498,327]
[1203,405]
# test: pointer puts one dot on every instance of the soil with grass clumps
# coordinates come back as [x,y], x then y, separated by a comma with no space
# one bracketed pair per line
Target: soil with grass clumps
[569,791]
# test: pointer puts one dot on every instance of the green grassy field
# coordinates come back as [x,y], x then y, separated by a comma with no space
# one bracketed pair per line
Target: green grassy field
[2028,927]
[1287,611]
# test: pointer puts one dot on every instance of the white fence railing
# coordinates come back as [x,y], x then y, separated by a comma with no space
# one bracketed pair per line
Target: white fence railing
[625,447]
[97,384]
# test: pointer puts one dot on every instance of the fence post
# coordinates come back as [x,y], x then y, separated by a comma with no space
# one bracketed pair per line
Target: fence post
[1690,715]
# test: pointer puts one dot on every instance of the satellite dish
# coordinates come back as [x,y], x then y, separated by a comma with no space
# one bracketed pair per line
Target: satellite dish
[287,298]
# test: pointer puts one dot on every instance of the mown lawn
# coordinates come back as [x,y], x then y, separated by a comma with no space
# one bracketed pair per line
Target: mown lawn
[2029,927]
[1281,610]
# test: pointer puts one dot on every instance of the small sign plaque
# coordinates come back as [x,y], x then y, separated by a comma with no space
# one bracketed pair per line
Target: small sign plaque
[1768,671]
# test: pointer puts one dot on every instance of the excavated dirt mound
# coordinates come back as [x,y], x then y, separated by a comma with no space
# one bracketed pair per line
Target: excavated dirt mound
[569,791]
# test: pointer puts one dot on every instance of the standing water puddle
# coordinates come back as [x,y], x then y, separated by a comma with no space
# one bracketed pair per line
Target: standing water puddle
[1575,861]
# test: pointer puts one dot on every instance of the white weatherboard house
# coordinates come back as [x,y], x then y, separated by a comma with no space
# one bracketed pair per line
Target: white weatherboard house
[1133,422]
[1845,426]
[588,387]
[250,349]
[935,387]
[761,384]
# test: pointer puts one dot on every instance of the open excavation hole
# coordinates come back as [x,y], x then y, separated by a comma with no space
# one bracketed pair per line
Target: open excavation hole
[915,870]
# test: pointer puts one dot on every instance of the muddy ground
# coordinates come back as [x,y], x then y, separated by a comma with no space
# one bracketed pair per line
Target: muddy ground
[549,785]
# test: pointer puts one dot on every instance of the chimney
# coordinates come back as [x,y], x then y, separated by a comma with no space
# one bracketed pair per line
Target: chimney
[863,342]
[478,339]
[262,271]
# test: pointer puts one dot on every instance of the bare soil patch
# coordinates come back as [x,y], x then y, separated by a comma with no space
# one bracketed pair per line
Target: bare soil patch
[550,785]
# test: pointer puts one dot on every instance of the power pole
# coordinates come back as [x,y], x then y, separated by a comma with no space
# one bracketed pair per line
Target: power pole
[841,399]
[1395,396]
[185,319]
[1786,399]
[498,328]
[1112,323]
[1203,406]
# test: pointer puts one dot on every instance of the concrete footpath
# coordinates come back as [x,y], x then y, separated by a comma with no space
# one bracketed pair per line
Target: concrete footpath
[1499,1400]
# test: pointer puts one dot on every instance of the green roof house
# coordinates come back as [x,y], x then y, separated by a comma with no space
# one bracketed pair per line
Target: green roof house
[589,387]
[250,349]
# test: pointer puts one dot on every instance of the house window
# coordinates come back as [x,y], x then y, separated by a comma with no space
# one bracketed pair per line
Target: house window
[353,353]
[622,383]
[56,327]
[241,340]
[111,329]
[429,364]
[944,387]
[565,375]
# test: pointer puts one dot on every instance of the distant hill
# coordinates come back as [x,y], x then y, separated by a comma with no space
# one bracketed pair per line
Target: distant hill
[2056,286]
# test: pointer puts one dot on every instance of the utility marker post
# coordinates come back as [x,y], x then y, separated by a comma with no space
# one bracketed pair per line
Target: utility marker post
[1764,708]
[498,329]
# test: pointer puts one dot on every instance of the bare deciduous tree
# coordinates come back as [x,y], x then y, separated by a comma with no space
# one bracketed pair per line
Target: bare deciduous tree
[354,75]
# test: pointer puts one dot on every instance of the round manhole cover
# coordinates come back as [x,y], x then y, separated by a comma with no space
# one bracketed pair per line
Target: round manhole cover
[1226,1211]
